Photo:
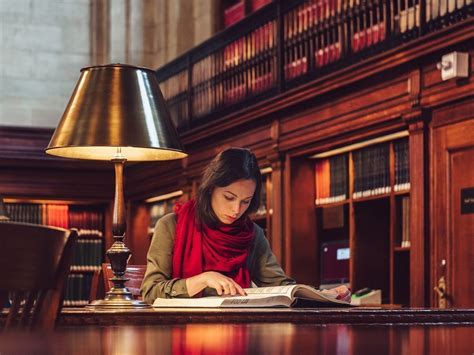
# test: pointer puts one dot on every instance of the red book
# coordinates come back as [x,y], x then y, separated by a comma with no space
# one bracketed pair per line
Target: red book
[304,65]
[234,14]
[326,55]
[375,34]
[355,42]
[381,31]
[319,58]
[362,40]
[368,37]
[257,4]
[337,49]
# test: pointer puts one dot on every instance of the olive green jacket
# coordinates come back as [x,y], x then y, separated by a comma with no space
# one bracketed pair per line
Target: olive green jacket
[263,266]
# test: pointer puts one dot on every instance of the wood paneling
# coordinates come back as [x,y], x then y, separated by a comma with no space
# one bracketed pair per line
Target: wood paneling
[452,233]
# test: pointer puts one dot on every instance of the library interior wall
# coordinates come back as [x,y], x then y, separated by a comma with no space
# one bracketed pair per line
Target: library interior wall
[44,44]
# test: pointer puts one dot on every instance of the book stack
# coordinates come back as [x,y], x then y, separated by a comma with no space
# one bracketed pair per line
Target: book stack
[77,290]
[248,65]
[234,14]
[402,169]
[160,209]
[257,4]
[205,96]
[46,214]
[175,91]
[368,25]
[331,179]
[371,171]
[88,255]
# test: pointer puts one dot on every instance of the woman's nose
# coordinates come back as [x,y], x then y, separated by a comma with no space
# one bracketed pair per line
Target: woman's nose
[236,208]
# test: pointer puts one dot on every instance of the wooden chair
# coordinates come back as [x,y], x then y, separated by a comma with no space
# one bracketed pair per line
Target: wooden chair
[34,265]
[101,283]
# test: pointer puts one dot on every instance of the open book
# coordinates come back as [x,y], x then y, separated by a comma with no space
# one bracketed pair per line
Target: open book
[275,296]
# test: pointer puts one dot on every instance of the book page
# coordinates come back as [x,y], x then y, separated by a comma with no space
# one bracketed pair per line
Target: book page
[286,290]
[253,300]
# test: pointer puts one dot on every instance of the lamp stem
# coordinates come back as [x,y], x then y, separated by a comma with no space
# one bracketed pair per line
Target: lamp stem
[119,225]
[119,296]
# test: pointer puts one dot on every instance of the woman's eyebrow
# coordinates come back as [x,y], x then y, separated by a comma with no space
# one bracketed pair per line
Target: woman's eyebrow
[236,195]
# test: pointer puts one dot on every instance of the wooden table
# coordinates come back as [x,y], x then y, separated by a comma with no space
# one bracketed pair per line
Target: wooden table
[356,315]
[250,338]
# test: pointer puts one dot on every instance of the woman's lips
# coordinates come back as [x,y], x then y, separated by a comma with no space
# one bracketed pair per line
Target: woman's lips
[231,218]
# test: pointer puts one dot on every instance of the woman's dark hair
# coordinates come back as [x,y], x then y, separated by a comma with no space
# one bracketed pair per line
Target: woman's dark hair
[227,167]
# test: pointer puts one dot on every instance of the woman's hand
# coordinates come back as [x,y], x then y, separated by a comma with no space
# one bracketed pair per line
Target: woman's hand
[222,284]
[340,293]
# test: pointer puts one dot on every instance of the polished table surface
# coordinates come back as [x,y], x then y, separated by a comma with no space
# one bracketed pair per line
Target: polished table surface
[252,338]
[355,315]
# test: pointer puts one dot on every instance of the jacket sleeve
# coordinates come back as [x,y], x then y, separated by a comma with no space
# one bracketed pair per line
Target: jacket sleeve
[157,281]
[265,269]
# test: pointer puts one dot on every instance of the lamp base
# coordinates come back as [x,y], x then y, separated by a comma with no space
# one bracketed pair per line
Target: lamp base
[118,298]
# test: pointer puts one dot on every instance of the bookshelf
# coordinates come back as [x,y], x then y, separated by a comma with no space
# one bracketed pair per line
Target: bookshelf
[161,206]
[236,10]
[263,215]
[89,220]
[286,44]
[362,202]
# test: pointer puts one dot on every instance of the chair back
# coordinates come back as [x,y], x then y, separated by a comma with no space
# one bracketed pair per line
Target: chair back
[34,265]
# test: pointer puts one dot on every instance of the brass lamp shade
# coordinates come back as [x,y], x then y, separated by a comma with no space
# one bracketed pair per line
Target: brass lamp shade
[116,106]
[3,211]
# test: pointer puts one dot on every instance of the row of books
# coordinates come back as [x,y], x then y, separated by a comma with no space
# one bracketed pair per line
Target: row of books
[308,15]
[249,46]
[402,162]
[88,222]
[254,80]
[331,179]
[51,215]
[369,15]
[77,292]
[175,85]
[405,222]
[160,209]
[247,66]
[236,12]
[371,171]
[179,112]
[87,255]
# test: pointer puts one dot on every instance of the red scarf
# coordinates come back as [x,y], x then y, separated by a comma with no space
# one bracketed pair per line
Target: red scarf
[198,248]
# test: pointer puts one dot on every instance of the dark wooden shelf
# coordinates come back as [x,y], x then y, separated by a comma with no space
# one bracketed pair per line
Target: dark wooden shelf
[370,198]
[401,249]
[332,204]
[402,193]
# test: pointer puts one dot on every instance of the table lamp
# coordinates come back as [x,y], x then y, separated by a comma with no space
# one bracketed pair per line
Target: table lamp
[3,211]
[117,113]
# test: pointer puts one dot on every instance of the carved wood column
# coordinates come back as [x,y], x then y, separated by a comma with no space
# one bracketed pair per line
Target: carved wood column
[419,206]
[276,195]
[276,213]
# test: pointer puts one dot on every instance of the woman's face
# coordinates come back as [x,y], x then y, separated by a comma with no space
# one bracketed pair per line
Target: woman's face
[231,201]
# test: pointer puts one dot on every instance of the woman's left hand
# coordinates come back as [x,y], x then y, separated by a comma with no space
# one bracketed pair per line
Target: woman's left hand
[340,293]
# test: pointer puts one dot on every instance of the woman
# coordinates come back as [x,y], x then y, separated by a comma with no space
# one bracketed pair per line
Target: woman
[210,245]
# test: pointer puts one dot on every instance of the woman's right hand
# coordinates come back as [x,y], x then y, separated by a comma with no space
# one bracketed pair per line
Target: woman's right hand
[222,284]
